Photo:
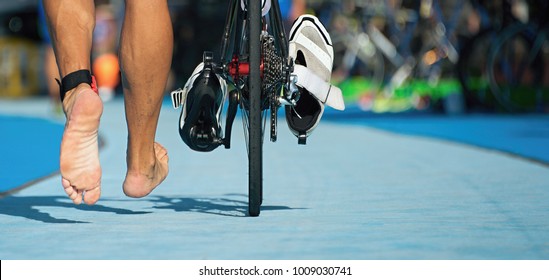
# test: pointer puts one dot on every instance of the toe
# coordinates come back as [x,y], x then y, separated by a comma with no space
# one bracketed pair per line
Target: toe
[92,196]
[78,199]
[74,194]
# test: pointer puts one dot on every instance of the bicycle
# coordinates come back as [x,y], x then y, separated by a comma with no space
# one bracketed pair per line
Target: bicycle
[255,62]
[382,41]
[502,66]
[516,64]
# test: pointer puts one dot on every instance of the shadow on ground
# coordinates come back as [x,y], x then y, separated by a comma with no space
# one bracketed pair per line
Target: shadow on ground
[234,205]
[27,207]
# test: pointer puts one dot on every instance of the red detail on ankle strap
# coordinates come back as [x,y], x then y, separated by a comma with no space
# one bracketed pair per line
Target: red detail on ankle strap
[94,85]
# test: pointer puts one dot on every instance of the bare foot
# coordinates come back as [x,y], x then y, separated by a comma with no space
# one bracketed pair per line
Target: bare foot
[140,183]
[79,158]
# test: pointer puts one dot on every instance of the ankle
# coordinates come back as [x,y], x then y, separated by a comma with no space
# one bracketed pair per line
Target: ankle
[138,165]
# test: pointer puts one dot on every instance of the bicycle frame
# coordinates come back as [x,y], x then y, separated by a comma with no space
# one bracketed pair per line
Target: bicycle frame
[252,48]
[236,65]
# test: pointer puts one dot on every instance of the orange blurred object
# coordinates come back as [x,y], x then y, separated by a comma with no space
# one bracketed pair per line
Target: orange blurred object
[106,70]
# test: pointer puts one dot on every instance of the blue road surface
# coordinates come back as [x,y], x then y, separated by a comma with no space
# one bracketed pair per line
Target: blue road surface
[29,150]
[521,135]
[377,190]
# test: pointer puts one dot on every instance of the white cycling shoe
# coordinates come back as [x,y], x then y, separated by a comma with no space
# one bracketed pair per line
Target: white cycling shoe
[311,48]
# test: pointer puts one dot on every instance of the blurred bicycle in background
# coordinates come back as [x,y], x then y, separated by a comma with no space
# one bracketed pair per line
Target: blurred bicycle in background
[502,64]
[391,55]
[490,55]
[406,49]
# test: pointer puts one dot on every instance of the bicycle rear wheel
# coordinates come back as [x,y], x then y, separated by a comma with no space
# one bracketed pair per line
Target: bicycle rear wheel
[255,133]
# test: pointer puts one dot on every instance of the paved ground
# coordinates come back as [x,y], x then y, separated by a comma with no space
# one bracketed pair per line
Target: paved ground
[354,192]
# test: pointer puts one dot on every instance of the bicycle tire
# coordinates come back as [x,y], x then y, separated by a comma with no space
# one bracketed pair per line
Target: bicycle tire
[255,149]
[516,71]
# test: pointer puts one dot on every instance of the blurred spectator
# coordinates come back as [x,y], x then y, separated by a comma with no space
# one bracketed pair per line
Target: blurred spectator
[50,65]
[291,10]
[104,50]
[198,27]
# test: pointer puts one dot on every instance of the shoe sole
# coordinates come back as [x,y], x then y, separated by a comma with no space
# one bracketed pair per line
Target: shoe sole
[200,130]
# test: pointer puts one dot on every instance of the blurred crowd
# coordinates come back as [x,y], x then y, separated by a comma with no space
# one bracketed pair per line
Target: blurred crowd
[406,34]
[25,46]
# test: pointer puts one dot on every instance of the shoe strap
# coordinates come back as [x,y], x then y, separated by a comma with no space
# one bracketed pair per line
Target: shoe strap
[320,89]
[326,59]
[73,79]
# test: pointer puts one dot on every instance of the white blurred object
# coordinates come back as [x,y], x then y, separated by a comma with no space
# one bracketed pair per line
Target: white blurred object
[106,93]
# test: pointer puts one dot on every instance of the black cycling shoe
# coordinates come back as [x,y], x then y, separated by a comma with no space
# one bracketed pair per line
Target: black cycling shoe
[199,124]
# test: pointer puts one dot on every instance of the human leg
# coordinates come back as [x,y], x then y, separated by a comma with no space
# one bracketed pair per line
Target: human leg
[145,54]
[71,24]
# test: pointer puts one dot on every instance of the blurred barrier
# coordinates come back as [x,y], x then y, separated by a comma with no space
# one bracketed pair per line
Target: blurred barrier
[19,68]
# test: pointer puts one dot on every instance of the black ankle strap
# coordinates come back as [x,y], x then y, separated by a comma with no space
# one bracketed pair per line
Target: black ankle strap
[72,80]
